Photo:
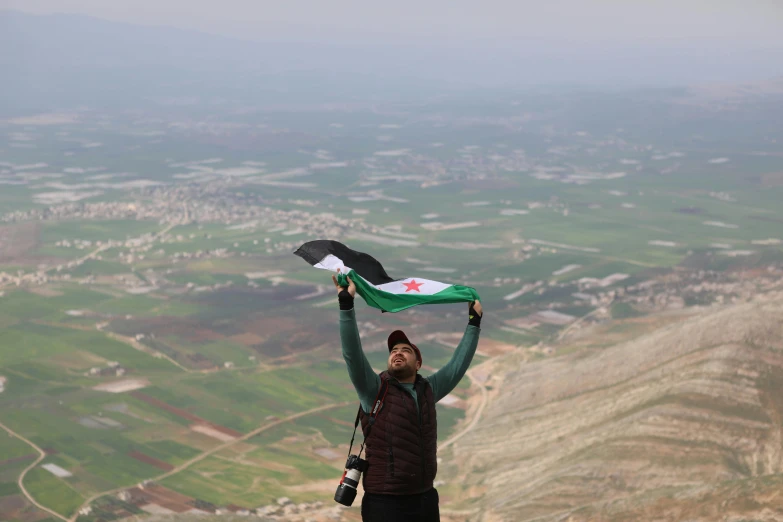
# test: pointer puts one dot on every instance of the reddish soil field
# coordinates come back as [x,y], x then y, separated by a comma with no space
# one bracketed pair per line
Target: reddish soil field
[182,413]
[489,184]
[165,466]
[772,179]
[181,328]
[264,325]
[156,494]
[337,421]
[10,506]
[17,240]
[17,459]
[248,339]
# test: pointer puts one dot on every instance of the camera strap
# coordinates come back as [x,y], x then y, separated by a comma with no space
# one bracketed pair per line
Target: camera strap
[377,405]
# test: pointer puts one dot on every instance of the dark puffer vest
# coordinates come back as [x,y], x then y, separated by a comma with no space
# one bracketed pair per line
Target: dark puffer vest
[402,446]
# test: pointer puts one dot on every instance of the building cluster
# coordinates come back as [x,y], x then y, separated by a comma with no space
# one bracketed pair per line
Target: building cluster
[180,206]
[469,163]
[19,279]
[702,287]
[154,499]
[184,205]
[670,291]
[112,369]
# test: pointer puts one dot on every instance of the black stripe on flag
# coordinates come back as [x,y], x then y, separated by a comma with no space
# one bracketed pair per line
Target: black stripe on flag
[363,264]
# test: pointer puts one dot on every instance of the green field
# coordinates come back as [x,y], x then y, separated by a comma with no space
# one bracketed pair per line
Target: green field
[53,492]
[11,447]
[698,197]
[96,231]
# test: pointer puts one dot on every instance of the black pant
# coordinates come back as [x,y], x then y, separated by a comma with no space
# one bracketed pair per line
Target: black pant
[422,507]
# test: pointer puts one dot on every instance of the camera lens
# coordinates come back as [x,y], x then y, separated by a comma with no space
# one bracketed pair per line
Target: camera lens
[345,495]
[346,491]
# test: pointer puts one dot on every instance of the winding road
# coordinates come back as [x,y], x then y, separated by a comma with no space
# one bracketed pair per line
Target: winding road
[181,467]
[207,453]
[476,417]
[20,481]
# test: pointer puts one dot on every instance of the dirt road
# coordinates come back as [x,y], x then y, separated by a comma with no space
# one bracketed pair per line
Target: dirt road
[20,480]
[209,452]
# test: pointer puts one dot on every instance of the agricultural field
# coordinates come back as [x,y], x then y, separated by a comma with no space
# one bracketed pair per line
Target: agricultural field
[156,330]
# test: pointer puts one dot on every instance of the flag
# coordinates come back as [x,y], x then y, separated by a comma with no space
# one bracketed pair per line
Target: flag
[372,282]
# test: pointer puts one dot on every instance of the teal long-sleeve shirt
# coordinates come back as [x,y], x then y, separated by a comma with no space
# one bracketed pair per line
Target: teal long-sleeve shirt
[367,382]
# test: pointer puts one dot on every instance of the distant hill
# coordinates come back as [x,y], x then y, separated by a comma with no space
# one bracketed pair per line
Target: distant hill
[728,94]
[65,60]
[80,41]
[682,423]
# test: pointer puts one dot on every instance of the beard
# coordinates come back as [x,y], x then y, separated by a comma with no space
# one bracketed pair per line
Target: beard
[401,372]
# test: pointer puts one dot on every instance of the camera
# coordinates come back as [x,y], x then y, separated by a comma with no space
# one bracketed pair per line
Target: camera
[346,491]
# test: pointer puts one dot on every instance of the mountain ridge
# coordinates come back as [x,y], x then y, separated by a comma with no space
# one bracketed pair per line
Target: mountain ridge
[688,406]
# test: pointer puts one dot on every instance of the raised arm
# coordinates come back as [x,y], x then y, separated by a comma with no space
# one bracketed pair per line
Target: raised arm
[447,378]
[364,379]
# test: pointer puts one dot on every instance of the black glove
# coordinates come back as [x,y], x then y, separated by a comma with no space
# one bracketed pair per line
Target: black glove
[474,319]
[346,299]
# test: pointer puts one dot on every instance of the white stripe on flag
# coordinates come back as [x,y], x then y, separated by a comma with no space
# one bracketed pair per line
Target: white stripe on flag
[413,286]
[333,263]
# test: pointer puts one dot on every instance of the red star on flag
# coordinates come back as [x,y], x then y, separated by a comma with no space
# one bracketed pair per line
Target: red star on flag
[413,285]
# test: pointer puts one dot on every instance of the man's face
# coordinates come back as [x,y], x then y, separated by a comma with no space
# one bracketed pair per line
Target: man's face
[402,362]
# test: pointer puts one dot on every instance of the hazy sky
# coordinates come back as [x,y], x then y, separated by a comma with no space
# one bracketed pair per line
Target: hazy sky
[729,23]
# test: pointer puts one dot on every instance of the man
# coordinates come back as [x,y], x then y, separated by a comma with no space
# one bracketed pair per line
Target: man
[402,444]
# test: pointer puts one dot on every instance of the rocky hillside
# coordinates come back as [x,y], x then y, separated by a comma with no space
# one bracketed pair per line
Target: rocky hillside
[685,422]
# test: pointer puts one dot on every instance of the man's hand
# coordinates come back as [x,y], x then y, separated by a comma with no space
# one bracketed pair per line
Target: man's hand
[474,314]
[351,286]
